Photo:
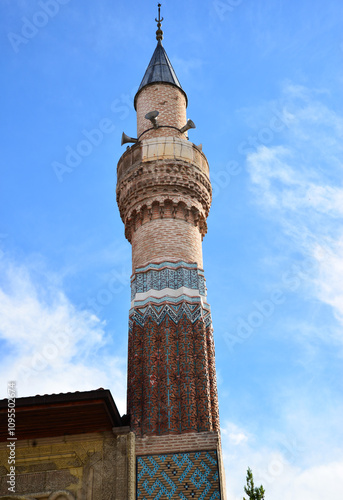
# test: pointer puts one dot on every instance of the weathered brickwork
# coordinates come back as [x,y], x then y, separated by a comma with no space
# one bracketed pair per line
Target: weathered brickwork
[181,475]
[166,239]
[162,180]
[164,203]
[163,190]
[169,101]
[169,443]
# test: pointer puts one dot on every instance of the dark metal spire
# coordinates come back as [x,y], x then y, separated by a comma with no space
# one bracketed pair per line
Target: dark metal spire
[159,32]
[160,69]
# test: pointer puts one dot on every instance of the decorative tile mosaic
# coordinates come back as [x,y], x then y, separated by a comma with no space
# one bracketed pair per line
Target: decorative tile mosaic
[168,275]
[171,368]
[157,309]
[178,476]
[171,374]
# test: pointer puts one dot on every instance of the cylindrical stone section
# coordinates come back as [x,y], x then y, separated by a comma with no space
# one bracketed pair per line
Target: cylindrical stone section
[164,196]
[170,102]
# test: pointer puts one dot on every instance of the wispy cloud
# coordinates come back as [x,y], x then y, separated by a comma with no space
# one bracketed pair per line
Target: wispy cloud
[184,67]
[279,467]
[299,184]
[47,344]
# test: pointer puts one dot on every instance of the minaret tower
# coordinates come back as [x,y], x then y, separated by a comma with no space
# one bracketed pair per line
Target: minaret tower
[164,197]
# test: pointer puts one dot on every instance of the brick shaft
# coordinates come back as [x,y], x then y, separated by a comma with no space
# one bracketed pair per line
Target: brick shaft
[166,239]
[170,102]
[164,197]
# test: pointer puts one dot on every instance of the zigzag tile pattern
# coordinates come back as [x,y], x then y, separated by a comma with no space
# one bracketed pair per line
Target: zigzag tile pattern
[182,476]
[158,309]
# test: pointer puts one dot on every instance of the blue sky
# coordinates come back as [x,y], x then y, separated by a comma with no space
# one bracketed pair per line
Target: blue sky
[264,82]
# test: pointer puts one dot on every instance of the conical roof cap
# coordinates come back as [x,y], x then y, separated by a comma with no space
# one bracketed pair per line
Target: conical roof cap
[160,70]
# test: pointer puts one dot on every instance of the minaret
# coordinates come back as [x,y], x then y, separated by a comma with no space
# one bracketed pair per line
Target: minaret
[164,197]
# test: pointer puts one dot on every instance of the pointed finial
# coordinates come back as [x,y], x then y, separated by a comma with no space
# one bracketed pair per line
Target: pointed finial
[159,32]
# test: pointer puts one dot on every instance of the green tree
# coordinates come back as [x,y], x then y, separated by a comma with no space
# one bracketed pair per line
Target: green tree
[250,489]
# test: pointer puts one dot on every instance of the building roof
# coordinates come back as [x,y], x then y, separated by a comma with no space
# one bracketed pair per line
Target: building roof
[160,70]
[54,415]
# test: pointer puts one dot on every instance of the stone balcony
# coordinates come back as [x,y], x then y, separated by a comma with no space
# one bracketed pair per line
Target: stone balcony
[162,148]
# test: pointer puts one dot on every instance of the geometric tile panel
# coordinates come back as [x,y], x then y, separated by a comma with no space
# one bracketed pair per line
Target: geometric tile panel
[168,275]
[184,476]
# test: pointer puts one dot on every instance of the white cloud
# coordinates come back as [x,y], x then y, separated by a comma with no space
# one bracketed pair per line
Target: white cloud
[330,277]
[47,344]
[277,469]
[233,434]
[299,183]
[325,481]
[268,465]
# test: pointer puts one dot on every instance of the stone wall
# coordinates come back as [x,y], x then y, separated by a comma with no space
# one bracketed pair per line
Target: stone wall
[99,466]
